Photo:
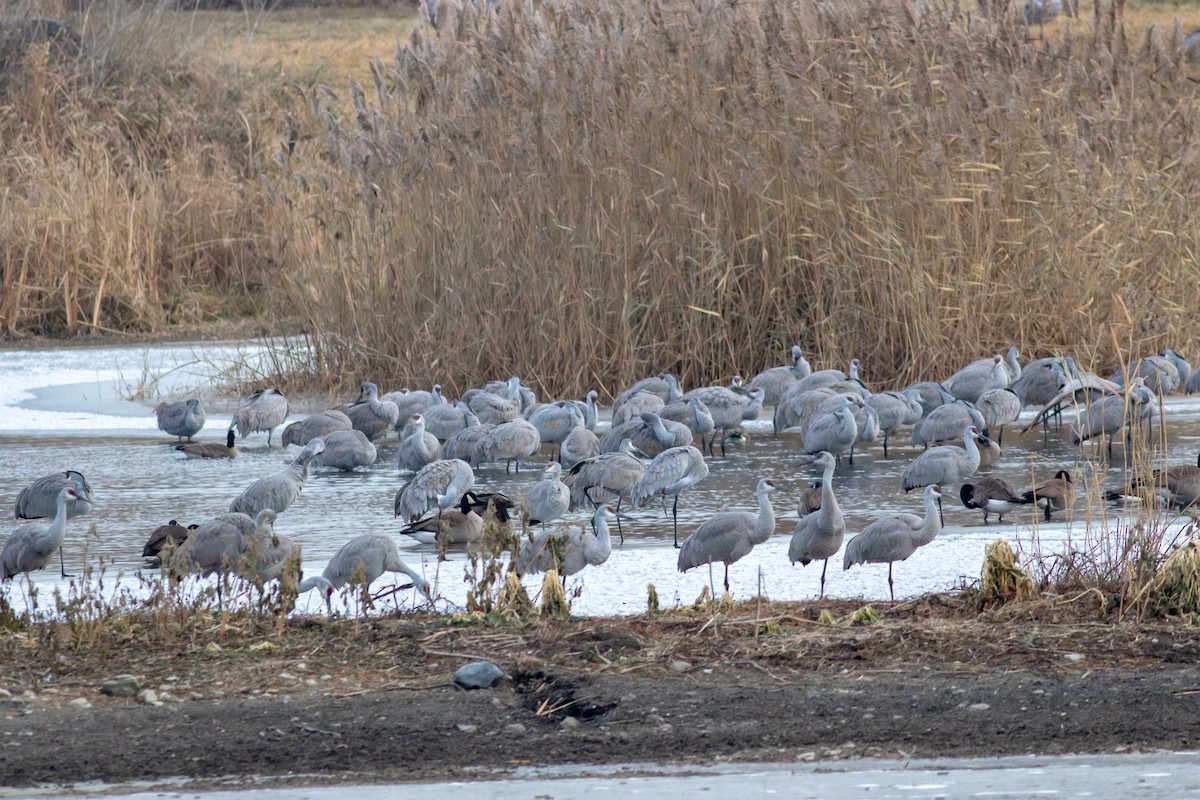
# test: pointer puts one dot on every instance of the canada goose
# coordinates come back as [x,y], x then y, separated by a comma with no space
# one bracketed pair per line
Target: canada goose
[210,449]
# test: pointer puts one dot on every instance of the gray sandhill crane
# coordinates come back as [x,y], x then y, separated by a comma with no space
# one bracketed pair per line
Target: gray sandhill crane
[263,410]
[946,422]
[943,465]
[649,433]
[235,543]
[672,472]
[549,498]
[818,535]
[513,389]
[797,409]
[728,409]
[989,451]
[976,378]
[595,480]
[729,536]
[1193,384]
[280,490]
[497,405]
[1107,415]
[1040,380]
[445,420]
[866,420]
[466,524]
[360,561]
[998,407]
[1011,362]
[510,442]
[372,416]
[893,409]
[182,419]
[1080,388]
[170,535]
[415,402]
[1181,364]
[580,445]
[991,496]
[568,549]
[637,404]
[467,444]
[30,546]
[835,431]
[418,447]
[1158,373]
[777,380]
[1056,494]
[346,450]
[210,450]
[588,407]
[930,394]
[896,537]
[320,424]
[692,413]
[39,500]
[439,486]
[555,421]
[665,386]
[825,378]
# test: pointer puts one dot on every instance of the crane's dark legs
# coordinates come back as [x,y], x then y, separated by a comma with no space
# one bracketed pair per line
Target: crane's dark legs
[823,568]
[891,586]
[62,565]
[885,438]
[723,438]
[675,517]
[588,494]
[712,587]
[726,578]
[852,453]
[620,532]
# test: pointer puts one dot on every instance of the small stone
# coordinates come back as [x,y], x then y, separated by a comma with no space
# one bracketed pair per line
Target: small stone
[80,702]
[467,728]
[212,647]
[978,707]
[5,694]
[287,676]
[326,677]
[516,727]
[148,697]
[1073,656]
[681,666]
[497,702]
[569,723]
[121,686]
[477,675]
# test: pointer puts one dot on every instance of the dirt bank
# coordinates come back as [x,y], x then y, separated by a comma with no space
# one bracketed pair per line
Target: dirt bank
[371,699]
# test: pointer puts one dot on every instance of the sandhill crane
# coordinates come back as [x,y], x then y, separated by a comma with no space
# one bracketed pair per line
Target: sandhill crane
[637,404]
[943,465]
[361,560]
[588,407]
[235,543]
[650,433]
[728,409]
[946,422]
[1012,366]
[280,490]
[998,407]
[549,498]
[495,409]
[438,485]
[415,402]
[1040,380]
[893,409]
[672,472]
[172,534]
[466,444]
[594,480]
[182,419]
[777,380]
[866,420]
[263,410]
[797,409]
[692,413]
[1055,494]
[1181,364]
[835,431]
[346,450]
[729,536]
[568,549]
[418,447]
[210,450]
[1193,384]
[1158,373]
[510,442]
[930,394]
[989,451]
[665,386]
[513,389]
[462,526]
[320,424]
[555,421]
[976,378]
[821,379]
[1080,387]
[1107,415]
[990,495]
[896,537]
[30,546]
[580,445]
[445,420]
[372,416]
[818,535]
[39,500]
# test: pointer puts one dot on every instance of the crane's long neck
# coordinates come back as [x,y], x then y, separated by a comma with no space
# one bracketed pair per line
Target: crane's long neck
[930,525]
[418,430]
[661,433]
[673,392]
[972,451]
[437,397]
[1014,366]
[394,564]
[600,546]
[754,408]
[589,412]
[765,526]
[830,511]
[58,528]
[849,426]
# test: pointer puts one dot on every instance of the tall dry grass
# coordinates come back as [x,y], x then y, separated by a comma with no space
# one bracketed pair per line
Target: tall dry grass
[586,193]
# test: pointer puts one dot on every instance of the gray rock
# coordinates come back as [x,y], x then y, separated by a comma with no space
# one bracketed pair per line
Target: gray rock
[80,702]
[681,666]
[121,686]
[516,727]
[978,707]
[148,697]
[569,723]
[467,728]
[478,675]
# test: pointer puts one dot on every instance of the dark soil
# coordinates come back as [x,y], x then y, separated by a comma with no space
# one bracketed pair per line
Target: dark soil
[370,700]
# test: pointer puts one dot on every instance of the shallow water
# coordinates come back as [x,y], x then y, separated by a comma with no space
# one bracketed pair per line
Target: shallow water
[64,409]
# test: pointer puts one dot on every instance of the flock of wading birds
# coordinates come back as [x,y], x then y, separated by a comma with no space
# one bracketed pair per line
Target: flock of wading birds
[647,453]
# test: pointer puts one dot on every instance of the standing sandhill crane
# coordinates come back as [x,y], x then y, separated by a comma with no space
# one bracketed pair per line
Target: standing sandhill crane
[797,409]
[210,450]
[650,433]
[895,537]
[728,409]
[567,549]
[445,420]
[588,407]
[1181,364]
[989,451]
[346,450]
[777,380]
[1011,364]
[235,543]
[320,424]
[438,485]
[467,444]
[943,465]
[930,394]
[1159,374]
[493,408]
[39,500]
[946,422]
[818,535]
[1040,380]
[976,378]
[729,536]
[1108,414]
[835,431]
[1193,384]
[594,480]
[549,498]
[513,389]
[998,408]
[170,535]
[1056,494]
[580,445]
[374,417]
[637,404]
[180,419]
[280,490]
[893,409]
[555,422]
[510,442]
[866,419]
[990,495]
[263,410]
[466,525]
[665,386]
[31,545]
[692,413]
[418,447]
[361,560]
[416,402]
[672,472]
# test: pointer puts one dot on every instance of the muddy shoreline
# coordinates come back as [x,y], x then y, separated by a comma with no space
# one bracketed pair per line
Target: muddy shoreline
[370,700]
